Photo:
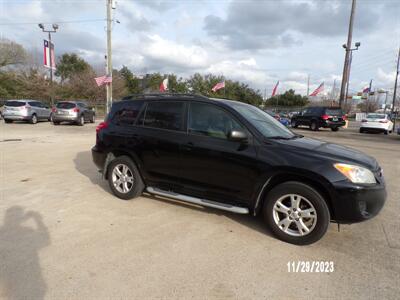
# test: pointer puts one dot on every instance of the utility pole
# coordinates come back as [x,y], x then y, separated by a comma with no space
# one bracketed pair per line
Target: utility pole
[333,92]
[110,6]
[395,82]
[348,78]
[395,90]
[369,93]
[347,56]
[55,27]
[308,85]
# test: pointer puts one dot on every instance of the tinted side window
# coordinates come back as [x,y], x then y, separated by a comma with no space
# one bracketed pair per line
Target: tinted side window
[209,120]
[128,113]
[165,115]
[34,104]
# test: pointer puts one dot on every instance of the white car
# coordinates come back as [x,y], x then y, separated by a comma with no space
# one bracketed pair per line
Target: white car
[376,122]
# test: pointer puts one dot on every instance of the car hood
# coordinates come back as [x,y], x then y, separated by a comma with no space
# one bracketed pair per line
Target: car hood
[333,151]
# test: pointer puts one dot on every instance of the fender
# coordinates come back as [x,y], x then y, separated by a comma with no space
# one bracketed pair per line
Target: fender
[281,176]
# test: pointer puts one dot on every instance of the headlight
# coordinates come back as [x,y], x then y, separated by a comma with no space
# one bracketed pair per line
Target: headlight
[355,174]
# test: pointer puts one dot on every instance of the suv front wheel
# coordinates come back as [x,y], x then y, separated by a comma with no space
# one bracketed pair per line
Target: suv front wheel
[124,178]
[296,213]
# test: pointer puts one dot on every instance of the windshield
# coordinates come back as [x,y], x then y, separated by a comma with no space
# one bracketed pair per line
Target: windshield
[263,122]
[15,103]
[65,105]
[333,112]
[375,116]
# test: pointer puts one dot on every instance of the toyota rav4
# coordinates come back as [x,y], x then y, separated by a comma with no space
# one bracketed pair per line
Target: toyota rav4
[235,157]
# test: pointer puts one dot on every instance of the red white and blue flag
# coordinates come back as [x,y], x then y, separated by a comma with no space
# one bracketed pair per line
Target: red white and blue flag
[103,80]
[318,90]
[218,86]
[275,89]
[164,85]
[48,51]
[366,90]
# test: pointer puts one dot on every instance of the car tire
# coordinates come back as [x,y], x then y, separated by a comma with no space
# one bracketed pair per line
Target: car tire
[335,129]
[8,120]
[56,123]
[385,132]
[305,200]
[293,123]
[33,119]
[81,120]
[93,119]
[125,190]
[314,126]
[361,130]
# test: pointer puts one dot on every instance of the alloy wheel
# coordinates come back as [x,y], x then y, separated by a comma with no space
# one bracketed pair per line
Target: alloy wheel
[295,215]
[122,178]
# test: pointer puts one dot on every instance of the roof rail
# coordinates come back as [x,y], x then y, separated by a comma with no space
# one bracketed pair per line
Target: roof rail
[162,95]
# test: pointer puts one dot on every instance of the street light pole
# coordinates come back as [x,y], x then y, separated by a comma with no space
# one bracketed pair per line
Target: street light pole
[55,27]
[110,6]
[347,56]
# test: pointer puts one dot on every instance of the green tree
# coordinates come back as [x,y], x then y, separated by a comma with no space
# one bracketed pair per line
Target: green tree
[131,81]
[70,64]
[11,53]
[289,98]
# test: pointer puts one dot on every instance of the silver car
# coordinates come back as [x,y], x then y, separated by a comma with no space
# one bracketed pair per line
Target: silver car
[73,112]
[25,110]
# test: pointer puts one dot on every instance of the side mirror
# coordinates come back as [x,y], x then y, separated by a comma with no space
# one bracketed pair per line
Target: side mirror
[237,136]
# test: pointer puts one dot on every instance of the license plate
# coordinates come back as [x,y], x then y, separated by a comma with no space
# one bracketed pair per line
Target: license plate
[335,119]
[63,112]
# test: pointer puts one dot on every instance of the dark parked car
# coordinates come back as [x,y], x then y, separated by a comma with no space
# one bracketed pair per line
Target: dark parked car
[235,157]
[317,117]
[73,112]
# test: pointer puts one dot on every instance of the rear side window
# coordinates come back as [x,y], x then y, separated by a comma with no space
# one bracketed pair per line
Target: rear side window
[65,105]
[15,103]
[333,112]
[128,113]
[164,115]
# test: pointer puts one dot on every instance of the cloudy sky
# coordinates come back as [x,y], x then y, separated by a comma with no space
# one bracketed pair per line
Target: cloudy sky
[255,41]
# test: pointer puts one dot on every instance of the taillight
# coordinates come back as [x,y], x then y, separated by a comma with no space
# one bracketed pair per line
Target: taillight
[364,121]
[76,110]
[325,117]
[54,109]
[383,121]
[101,126]
[344,117]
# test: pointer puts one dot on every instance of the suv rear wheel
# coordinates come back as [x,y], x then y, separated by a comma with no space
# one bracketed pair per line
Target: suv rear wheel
[124,178]
[335,128]
[314,126]
[33,119]
[296,213]
[81,120]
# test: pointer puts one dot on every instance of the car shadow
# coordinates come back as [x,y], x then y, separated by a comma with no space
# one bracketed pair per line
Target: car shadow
[89,170]
[255,223]
[85,166]
[20,272]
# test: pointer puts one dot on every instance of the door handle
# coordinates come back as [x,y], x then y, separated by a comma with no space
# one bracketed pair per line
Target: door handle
[188,146]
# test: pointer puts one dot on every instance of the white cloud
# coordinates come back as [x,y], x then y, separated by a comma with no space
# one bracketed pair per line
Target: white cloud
[386,78]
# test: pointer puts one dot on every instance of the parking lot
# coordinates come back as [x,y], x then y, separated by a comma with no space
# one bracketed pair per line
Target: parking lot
[64,235]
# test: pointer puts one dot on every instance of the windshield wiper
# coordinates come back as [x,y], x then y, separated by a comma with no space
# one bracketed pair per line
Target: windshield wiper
[279,137]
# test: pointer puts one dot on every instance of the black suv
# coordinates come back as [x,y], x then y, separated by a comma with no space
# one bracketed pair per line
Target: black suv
[235,157]
[318,116]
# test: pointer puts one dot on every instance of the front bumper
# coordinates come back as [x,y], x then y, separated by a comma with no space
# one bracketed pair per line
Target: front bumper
[356,203]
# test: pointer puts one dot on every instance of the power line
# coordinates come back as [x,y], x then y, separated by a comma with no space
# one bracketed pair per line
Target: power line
[56,22]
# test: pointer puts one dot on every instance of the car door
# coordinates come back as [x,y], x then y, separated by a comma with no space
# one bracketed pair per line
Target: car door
[300,118]
[45,110]
[35,109]
[156,140]
[212,165]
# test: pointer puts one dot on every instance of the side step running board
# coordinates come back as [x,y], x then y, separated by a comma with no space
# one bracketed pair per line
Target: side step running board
[203,202]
